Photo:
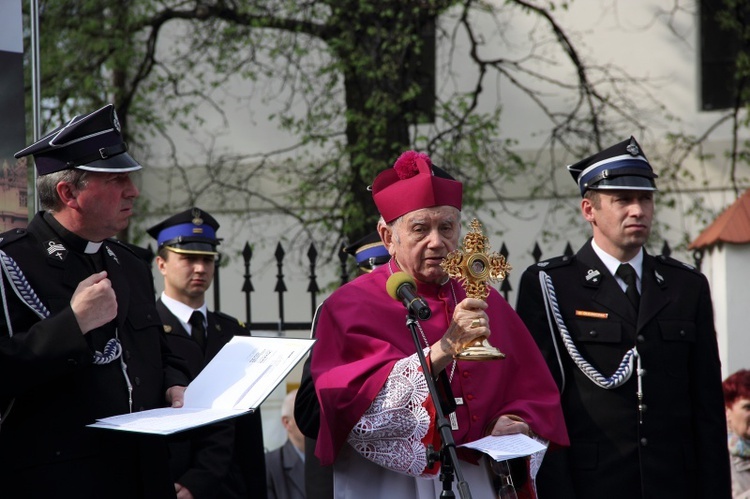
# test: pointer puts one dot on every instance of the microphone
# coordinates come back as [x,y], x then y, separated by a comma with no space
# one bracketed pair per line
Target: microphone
[401,286]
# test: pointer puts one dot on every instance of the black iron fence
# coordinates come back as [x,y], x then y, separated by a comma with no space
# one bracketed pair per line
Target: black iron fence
[313,290]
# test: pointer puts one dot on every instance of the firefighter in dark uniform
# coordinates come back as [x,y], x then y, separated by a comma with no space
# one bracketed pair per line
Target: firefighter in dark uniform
[80,337]
[633,351]
[224,460]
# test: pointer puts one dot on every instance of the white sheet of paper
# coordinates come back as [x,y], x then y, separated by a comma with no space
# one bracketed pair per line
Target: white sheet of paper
[505,447]
[166,420]
[236,381]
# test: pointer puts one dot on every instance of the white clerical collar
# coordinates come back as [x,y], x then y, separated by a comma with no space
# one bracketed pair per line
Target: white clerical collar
[182,311]
[92,247]
[612,263]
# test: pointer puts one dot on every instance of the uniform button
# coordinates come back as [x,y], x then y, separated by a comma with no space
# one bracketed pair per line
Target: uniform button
[644,441]
[682,333]
[642,372]
[470,397]
[640,338]
[58,453]
[474,418]
[643,407]
[593,333]
[466,374]
[565,259]
[72,362]
[137,381]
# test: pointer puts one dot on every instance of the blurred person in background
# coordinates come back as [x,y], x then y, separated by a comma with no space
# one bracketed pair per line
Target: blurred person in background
[737,404]
[285,466]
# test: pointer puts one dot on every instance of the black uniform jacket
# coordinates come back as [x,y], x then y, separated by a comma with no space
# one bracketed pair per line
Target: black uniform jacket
[50,389]
[679,450]
[223,460]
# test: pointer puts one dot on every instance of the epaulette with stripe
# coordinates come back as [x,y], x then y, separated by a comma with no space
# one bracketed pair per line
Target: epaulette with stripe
[668,260]
[558,261]
[11,236]
[231,319]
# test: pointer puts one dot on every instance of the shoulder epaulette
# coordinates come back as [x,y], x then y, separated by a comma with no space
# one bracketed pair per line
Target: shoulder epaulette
[668,260]
[231,319]
[558,261]
[12,235]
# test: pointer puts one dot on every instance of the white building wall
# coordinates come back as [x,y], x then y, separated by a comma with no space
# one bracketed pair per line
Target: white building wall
[625,34]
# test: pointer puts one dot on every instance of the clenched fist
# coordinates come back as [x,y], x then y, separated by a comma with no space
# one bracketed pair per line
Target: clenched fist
[94,302]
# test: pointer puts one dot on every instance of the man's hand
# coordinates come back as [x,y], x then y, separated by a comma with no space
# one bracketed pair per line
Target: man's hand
[470,321]
[182,492]
[176,395]
[508,426]
[94,302]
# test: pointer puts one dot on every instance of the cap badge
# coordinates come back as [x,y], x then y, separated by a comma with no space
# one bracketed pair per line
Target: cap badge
[116,121]
[57,250]
[197,220]
[632,149]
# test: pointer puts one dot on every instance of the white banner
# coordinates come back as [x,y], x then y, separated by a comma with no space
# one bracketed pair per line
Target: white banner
[11,24]
[13,183]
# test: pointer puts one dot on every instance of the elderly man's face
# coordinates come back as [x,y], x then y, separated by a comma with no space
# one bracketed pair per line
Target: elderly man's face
[105,204]
[421,239]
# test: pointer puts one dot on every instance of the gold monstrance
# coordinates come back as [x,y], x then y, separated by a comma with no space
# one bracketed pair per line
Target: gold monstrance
[474,267]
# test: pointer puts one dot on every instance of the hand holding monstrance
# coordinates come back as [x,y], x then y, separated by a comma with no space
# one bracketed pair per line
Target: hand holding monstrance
[474,267]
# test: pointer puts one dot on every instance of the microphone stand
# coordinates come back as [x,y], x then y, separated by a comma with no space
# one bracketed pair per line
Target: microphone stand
[449,463]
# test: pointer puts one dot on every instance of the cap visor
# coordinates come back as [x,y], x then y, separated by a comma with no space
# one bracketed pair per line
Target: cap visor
[193,249]
[626,182]
[116,164]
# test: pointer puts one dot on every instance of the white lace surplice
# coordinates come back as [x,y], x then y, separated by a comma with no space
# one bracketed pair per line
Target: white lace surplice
[391,431]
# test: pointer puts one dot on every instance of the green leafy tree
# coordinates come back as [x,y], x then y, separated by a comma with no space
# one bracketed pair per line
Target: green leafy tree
[347,77]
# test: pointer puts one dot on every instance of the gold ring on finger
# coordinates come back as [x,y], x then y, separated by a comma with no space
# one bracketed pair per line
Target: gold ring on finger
[476,323]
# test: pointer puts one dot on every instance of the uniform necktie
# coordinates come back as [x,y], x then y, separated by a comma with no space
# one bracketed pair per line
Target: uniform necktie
[627,273]
[198,329]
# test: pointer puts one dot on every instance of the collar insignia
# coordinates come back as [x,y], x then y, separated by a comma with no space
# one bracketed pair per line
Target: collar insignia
[659,277]
[56,250]
[112,254]
[167,328]
[593,275]
[542,264]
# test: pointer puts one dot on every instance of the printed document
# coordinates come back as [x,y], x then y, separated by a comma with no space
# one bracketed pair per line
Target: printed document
[505,447]
[236,381]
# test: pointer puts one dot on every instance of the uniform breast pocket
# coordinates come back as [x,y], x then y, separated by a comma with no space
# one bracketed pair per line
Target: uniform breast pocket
[145,326]
[591,331]
[678,338]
